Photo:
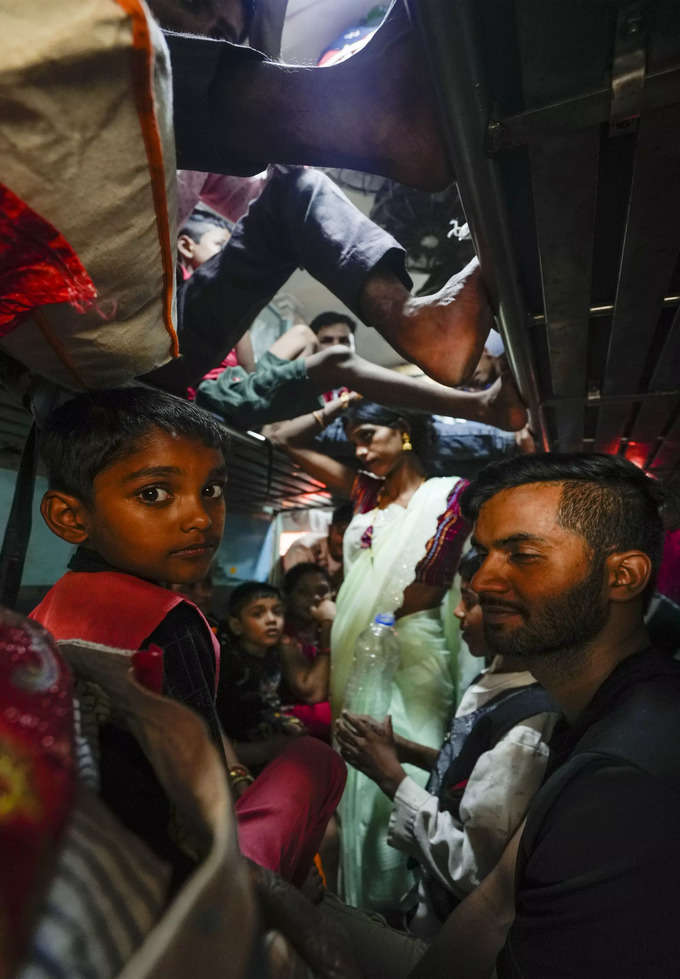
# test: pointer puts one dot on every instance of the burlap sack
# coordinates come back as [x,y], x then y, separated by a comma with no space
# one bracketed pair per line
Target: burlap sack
[86,141]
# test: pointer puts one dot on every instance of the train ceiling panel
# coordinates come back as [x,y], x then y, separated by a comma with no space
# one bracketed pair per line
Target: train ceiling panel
[260,479]
[562,123]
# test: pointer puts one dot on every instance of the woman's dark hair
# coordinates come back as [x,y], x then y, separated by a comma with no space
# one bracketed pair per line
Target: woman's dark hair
[247,592]
[92,431]
[611,503]
[298,571]
[342,515]
[470,563]
[420,427]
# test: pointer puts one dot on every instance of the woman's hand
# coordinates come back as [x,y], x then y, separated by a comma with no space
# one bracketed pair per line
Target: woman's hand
[370,746]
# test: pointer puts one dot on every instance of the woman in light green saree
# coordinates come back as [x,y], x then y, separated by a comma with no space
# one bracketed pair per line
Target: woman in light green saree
[401,551]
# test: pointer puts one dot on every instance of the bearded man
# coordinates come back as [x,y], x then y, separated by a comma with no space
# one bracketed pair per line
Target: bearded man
[571,547]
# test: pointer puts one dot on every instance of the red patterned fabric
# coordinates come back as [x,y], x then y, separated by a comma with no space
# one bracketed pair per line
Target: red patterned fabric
[37,265]
[37,773]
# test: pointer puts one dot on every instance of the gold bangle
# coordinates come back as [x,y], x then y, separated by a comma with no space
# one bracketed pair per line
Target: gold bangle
[239,771]
[319,419]
[344,400]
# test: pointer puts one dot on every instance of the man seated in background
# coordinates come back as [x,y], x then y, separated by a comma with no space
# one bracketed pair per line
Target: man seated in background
[331,329]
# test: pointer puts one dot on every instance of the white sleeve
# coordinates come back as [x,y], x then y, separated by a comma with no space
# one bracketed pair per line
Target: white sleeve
[459,853]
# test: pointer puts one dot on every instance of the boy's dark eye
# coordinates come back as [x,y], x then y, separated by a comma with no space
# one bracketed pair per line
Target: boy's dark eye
[214,490]
[153,494]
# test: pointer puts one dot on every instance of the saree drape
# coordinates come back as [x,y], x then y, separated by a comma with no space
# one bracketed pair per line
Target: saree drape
[374,875]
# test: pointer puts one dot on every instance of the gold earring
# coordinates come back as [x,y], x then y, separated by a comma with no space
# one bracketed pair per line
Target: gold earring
[406,442]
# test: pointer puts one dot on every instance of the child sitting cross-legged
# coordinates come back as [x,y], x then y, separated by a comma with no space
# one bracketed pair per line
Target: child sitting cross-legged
[249,692]
[136,480]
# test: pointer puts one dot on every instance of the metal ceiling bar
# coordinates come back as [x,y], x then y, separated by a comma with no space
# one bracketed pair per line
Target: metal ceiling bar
[668,453]
[628,68]
[581,112]
[650,252]
[256,469]
[564,179]
[17,429]
[449,34]
[605,310]
[15,409]
[595,401]
[655,414]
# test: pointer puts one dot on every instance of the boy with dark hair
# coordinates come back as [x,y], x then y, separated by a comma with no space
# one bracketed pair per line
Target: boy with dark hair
[249,691]
[136,481]
[202,235]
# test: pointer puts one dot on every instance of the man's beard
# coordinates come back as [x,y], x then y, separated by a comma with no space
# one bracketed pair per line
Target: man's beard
[564,624]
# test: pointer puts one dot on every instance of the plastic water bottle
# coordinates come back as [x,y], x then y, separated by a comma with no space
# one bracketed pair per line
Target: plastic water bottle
[376,660]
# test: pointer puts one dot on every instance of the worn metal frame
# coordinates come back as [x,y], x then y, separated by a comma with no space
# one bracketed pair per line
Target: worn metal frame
[260,478]
[562,123]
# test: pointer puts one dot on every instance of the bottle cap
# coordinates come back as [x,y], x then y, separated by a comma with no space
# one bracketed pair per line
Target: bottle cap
[384,618]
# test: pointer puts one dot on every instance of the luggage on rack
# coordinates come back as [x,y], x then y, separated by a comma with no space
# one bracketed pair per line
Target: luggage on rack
[87,191]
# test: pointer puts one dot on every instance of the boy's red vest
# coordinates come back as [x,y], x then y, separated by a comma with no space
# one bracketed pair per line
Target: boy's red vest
[109,608]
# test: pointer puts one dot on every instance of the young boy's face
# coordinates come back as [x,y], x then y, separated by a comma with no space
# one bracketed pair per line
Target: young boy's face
[211,243]
[469,614]
[159,512]
[259,624]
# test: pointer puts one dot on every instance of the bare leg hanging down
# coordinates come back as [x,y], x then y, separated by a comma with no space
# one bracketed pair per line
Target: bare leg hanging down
[374,112]
[444,333]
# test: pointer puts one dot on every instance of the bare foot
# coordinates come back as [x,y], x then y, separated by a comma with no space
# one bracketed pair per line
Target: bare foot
[503,407]
[398,121]
[444,333]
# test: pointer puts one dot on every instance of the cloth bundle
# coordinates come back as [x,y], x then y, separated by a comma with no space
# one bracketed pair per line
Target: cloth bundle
[88,192]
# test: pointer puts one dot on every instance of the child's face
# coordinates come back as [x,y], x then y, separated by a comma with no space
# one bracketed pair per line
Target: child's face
[159,512]
[211,243]
[310,590]
[469,614]
[260,622]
